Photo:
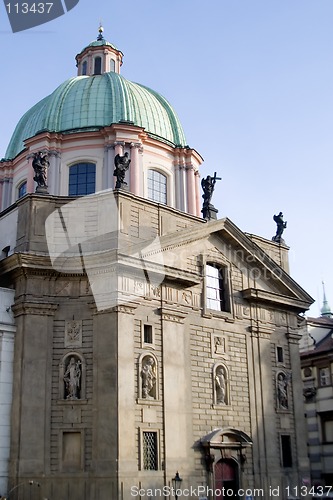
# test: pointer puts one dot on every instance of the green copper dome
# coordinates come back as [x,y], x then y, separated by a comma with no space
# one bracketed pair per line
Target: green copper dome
[92,102]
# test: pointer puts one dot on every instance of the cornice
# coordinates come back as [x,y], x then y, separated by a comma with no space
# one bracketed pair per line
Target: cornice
[34,308]
[282,301]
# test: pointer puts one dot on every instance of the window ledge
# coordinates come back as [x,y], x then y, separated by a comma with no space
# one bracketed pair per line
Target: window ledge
[211,313]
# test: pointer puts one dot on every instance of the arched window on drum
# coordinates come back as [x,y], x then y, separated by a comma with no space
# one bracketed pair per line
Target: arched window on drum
[82,179]
[157,186]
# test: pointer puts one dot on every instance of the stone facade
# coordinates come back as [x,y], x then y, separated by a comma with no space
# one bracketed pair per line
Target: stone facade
[110,396]
[317,368]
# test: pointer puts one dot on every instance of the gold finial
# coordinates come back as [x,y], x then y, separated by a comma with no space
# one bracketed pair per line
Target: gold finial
[100,30]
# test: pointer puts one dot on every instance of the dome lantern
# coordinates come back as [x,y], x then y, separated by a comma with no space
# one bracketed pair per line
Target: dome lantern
[99,57]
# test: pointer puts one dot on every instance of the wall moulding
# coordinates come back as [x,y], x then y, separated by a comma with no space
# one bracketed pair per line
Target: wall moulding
[170,314]
[34,308]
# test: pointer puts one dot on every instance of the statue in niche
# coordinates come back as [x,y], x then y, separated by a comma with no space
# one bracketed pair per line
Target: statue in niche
[40,164]
[281,226]
[148,375]
[282,391]
[208,186]
[72,378]
[122,164]
[220,386]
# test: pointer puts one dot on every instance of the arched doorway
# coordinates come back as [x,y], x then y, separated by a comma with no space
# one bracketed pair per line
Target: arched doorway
[226,476]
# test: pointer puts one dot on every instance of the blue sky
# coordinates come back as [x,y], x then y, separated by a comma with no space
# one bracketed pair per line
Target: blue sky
[252,83]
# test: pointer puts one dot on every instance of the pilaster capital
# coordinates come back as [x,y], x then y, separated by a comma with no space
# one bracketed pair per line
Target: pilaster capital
[119,143]
[137,145]
[54,153]
[189,167]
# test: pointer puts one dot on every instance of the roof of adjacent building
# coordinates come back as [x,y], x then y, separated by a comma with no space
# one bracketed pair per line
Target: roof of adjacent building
[93,102]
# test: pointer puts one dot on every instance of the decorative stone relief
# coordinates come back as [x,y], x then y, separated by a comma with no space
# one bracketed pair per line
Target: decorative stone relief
[282,383]
[148,376]
[187,297]
[219,344]
[73,333]
[221,385]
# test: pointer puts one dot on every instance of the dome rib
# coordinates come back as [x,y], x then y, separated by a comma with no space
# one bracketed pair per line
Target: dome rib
[90,102]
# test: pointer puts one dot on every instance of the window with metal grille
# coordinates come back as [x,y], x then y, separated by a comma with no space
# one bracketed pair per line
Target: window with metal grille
[216,288]
[157,186]
[112,65]
[84,67]
[82,179]
[149,451]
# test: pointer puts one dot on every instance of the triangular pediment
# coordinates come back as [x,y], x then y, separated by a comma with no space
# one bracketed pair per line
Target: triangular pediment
[263,279]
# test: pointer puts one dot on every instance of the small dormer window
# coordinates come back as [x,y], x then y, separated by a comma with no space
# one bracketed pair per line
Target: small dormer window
[112,65]
[84,67]
[98,66]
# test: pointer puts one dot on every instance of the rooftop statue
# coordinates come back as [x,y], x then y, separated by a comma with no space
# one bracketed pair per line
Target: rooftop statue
[281,226]
[208,186]
[40,164]
[122,164]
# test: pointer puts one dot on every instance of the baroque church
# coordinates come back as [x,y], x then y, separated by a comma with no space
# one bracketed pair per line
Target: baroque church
[142,346]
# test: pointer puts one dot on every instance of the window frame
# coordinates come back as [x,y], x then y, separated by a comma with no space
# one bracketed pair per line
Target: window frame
[227,312]
[71,173]
[143,342]
[23,182]
[159,192]
[328,377]
[279,359]
[84,70]
[286,462]
[97,58]
[158,448]
[325,417]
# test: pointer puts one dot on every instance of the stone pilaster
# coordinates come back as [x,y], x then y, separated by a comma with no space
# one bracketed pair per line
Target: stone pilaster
[31,380]
[177,392]
[135,171]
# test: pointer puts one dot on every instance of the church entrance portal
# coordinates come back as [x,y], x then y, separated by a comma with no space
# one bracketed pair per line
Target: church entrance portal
[226,477]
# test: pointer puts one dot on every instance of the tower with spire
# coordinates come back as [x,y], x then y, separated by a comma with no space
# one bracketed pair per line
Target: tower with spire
[325,309]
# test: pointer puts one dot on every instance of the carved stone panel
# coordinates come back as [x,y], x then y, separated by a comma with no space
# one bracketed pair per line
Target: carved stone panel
[73,333]
[219,345]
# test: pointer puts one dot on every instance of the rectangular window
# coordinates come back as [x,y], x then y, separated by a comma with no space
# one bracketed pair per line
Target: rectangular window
[216,288]
[279,354]
[147,334]
[157,186]
[326,419]
[82,179]
[324,377]
[98,66]
[286,457]
[149,451]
